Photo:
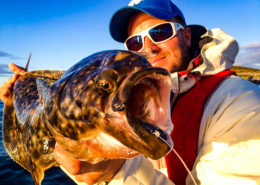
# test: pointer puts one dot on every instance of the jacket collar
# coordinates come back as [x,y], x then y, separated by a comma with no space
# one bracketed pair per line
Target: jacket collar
[216,51]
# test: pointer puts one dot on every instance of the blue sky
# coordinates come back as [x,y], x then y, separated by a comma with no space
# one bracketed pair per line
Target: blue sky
[60,33]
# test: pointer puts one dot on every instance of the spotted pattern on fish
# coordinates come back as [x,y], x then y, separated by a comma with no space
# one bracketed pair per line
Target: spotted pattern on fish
[90,110]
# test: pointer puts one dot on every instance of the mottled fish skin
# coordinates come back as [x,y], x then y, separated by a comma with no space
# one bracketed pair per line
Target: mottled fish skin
[90,110]
[25,134]
[81,109]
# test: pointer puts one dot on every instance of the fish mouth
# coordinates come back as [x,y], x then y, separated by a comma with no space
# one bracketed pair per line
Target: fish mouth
[147,108]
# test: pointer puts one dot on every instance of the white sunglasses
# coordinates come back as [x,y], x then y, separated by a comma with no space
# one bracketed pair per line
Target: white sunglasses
[157,34]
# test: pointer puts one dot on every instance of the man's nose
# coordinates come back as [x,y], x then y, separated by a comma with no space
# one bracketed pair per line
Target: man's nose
[149,46]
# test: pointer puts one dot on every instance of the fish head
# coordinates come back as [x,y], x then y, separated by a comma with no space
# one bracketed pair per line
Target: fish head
[139,109]
[121,95]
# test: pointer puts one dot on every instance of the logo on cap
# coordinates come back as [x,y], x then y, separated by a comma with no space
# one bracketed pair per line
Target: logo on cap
[134,2]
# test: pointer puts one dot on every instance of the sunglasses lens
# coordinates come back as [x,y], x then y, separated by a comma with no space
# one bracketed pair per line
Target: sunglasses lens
[161,32]
[134,43]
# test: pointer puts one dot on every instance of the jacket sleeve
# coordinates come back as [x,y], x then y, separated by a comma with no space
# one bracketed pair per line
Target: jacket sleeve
[229,141]
[139,170]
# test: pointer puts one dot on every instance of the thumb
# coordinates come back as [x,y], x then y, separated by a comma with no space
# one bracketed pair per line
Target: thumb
[16,69]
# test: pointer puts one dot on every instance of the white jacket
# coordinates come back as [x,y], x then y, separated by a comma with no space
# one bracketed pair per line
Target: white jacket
[229,136]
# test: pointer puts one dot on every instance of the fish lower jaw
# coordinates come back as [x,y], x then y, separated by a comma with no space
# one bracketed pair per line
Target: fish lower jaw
[112,148]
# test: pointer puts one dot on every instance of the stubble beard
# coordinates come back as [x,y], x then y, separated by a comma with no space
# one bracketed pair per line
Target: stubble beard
[182,58]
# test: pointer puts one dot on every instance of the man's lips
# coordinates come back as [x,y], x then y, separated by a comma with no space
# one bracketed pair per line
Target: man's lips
[155,59]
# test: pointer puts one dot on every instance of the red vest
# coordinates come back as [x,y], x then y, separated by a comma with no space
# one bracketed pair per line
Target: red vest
[186,118]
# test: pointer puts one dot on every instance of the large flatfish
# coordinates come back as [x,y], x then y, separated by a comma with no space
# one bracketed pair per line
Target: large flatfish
[112,104]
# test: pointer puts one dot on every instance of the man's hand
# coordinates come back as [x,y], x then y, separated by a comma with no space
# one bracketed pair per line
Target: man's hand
[7,88]
[87,172]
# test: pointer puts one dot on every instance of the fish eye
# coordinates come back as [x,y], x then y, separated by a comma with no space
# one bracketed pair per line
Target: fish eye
[105,85]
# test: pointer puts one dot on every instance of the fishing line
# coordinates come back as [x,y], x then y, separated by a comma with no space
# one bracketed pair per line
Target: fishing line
[157,134]
[185,166]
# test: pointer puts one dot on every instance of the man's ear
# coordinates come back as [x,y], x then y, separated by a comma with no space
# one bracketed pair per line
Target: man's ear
[187,36]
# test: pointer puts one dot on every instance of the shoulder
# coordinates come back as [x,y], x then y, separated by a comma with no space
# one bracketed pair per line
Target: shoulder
[233,94]
[235,102]
[238,83]
[234,88]
[229,138]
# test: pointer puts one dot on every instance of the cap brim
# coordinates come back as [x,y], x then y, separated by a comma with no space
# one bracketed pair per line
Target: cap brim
[119,21]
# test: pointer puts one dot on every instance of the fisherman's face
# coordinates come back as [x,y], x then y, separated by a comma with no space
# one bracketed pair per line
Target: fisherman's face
[173,54]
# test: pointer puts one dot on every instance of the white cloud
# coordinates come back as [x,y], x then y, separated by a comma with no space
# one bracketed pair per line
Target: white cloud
[255,45]
[249,55]
[257,64]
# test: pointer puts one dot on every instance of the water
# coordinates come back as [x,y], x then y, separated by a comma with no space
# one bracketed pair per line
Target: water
[13,174]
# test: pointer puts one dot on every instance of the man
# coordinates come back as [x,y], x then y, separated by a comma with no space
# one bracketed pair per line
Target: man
[215,114]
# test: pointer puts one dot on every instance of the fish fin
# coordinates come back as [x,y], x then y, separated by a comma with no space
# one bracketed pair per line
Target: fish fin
[43,88]
[13,139]
[45,74]
[50,76]
[27,93]
[27,65]
[25,98]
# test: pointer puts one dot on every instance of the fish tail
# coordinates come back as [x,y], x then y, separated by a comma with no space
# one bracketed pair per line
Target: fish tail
[37,176]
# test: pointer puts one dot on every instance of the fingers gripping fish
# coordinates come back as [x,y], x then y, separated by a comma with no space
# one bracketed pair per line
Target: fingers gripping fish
[112,104]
